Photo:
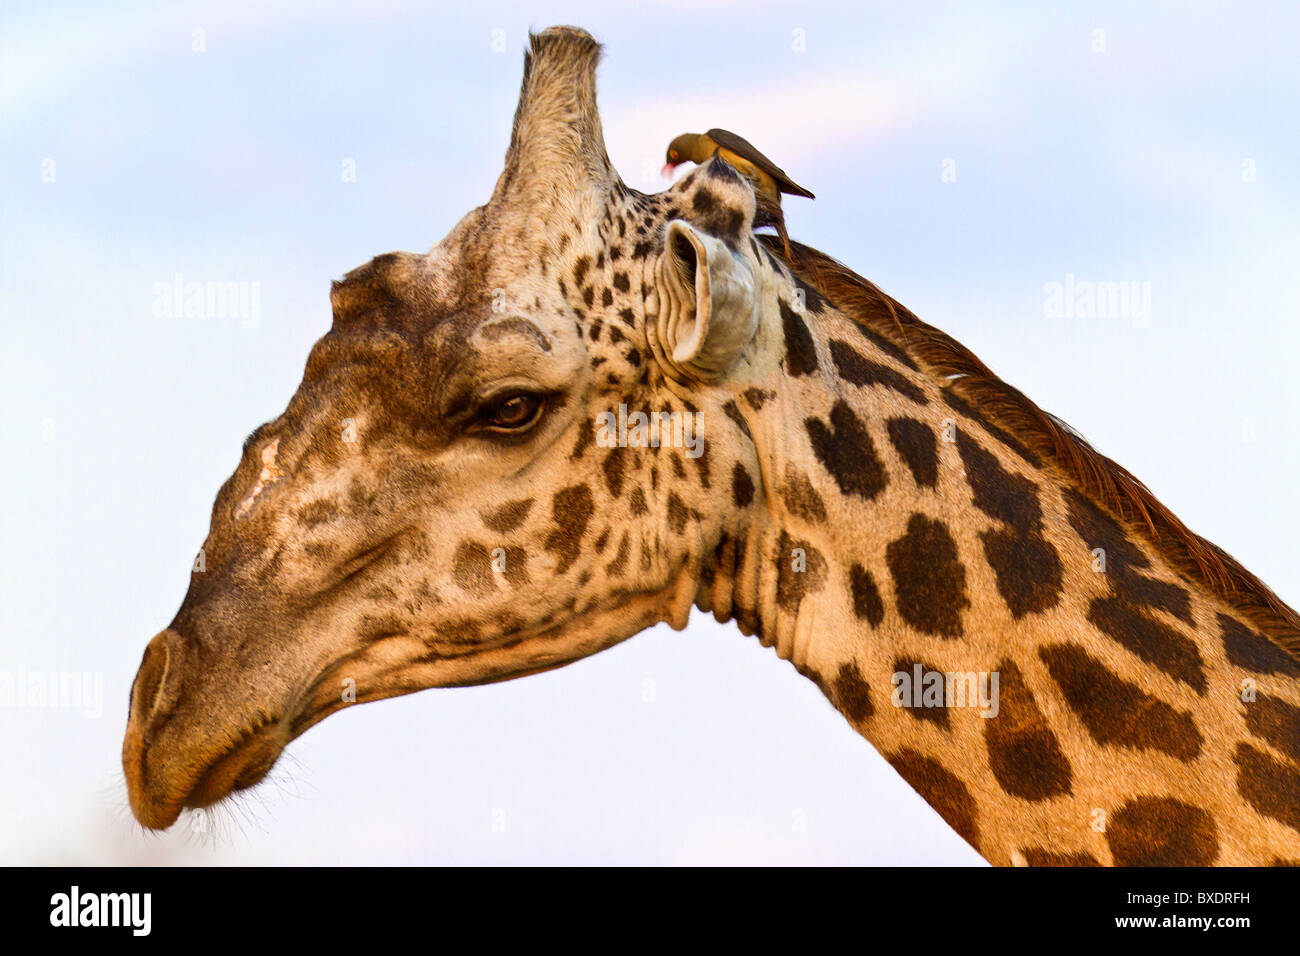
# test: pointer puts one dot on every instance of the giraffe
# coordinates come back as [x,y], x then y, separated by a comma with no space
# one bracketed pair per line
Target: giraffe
[588,410]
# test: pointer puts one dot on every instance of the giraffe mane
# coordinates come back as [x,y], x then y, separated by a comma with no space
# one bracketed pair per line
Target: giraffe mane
[1104,481]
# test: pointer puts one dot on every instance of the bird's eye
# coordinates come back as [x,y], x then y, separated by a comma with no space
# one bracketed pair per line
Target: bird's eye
[514,413]
[672,153]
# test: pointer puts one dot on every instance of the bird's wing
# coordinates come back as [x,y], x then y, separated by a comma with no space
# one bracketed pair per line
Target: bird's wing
[743,147]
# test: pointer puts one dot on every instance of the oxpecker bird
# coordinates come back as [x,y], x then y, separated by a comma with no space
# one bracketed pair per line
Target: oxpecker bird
[769,180]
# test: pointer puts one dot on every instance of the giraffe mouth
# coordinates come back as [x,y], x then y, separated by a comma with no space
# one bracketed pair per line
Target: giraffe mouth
[241,766]
[157,802]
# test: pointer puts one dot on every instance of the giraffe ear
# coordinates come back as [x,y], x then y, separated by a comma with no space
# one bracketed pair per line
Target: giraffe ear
[707,305]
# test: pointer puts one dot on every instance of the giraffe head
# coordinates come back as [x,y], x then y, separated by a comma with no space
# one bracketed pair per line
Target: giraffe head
[505,455]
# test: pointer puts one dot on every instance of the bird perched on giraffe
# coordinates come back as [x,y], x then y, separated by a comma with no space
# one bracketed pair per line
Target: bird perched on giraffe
[768,179]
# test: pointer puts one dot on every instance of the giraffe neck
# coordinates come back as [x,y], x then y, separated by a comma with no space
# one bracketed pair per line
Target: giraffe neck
[1076,694]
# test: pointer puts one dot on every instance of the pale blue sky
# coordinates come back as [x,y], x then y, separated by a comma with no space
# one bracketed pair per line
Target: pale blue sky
[1128,164]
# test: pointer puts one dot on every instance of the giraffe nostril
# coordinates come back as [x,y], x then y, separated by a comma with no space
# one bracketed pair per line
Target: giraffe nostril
[156,683]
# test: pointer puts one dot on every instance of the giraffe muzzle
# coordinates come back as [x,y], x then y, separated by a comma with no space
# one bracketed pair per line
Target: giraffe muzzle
[171,760]
[153,697]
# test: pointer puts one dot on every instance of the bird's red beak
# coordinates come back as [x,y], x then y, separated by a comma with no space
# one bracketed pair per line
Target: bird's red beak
[668,169]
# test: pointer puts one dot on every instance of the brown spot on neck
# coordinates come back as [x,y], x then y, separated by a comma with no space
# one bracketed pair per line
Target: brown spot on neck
[1161,831]
[1024,754]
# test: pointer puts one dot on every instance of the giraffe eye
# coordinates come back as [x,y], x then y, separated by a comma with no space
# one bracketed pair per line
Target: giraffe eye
[514,413]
